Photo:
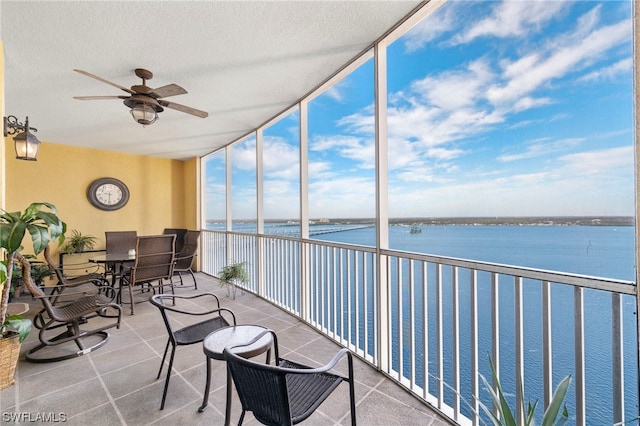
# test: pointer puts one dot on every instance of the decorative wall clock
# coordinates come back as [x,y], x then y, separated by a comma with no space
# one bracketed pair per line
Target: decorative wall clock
[108,194]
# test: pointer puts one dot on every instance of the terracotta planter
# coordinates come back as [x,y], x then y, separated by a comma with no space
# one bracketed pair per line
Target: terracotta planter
[9,354]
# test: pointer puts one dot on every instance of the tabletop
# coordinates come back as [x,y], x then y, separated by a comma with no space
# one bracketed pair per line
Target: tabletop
[112,258]
[215,342]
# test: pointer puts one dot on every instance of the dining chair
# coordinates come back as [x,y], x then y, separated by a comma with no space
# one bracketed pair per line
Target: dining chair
[288,392]
[184,259]
[118,242]
[205,307]
[152,267]
[180,234]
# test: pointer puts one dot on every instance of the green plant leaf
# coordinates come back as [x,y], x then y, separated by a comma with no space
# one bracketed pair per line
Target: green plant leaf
[3,271]
[494,397]
[39,236]
[15,236]
[505,411]
[18,324]
[551,414]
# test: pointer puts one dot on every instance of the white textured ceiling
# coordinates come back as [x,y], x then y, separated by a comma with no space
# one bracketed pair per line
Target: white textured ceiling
[240,61]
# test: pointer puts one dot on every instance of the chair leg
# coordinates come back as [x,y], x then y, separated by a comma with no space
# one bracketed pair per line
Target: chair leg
[166,382]
[195,283]
[352,392]
[131,298]
[205,399]
[166,348]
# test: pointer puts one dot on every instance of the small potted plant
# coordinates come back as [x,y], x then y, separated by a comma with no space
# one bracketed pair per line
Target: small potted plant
[39,273]
[233,274]
[77,243]
[43,226]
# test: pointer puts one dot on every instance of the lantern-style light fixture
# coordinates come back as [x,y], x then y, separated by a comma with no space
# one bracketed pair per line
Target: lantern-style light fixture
[144,109]
[25,142]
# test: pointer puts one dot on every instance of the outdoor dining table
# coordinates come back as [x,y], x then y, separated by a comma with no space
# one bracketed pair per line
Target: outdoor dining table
[113,259]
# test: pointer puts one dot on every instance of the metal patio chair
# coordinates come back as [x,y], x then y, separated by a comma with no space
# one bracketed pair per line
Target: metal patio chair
[175,316]
[286,393]
[94,300]
[184,259]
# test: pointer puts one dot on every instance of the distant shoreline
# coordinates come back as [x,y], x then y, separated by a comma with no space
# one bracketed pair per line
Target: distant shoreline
[478,221]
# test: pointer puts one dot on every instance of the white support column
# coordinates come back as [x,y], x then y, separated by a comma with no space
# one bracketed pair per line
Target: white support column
[228,209]
[636,103]
[382,202]
[304,210]
[260,212]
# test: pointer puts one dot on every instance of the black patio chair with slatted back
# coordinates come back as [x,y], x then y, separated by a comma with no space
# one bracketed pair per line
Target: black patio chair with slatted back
[180,233]
[288,392]
[118,242]
[87,304]
[202,313]
[184,259]
[152,268]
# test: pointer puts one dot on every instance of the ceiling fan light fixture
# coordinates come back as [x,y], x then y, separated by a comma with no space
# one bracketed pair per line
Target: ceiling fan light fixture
[144,114]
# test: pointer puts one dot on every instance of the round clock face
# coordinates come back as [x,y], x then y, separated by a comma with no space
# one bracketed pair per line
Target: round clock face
[108,194]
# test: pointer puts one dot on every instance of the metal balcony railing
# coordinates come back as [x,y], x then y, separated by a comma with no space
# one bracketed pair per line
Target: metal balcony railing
[432,322]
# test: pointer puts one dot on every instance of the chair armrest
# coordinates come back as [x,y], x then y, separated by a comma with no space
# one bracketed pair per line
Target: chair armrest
[158,299]
[74,281]
[303,369]
[178,258]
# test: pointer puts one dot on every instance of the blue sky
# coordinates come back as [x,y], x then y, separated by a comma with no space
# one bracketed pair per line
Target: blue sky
[512,108]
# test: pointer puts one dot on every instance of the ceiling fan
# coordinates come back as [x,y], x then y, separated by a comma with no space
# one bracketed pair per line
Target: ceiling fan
[145,102]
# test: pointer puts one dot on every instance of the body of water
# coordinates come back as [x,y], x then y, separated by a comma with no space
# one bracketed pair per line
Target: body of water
[604,251]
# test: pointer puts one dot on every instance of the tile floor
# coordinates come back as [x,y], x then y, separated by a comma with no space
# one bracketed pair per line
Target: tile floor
[117,384]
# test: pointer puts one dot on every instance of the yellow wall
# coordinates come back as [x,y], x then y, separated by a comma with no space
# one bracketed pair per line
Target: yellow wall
[2,153]
[162,191]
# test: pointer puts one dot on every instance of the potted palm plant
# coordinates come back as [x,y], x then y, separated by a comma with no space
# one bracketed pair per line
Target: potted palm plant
[42,223]
[77,243]
[231,275]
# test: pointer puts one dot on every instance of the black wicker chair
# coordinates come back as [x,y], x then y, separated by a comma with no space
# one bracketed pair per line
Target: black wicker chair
[153,266]
[211,319]
[180,234]
[86,304]
[118,242]
[184,259]
[286,393]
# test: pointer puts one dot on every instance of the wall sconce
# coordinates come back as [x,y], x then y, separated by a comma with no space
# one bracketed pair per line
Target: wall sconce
[26,143]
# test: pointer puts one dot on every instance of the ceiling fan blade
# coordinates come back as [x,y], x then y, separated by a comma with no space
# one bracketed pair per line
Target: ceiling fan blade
[183,108]
[88,74]
[91,98]
[168,90]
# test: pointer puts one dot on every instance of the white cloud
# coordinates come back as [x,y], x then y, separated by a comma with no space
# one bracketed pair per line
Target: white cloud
[540,148]
[609,73]
[440,22]
[565,188]
[514,18]
[280,159]
[569,54]
[350,147]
